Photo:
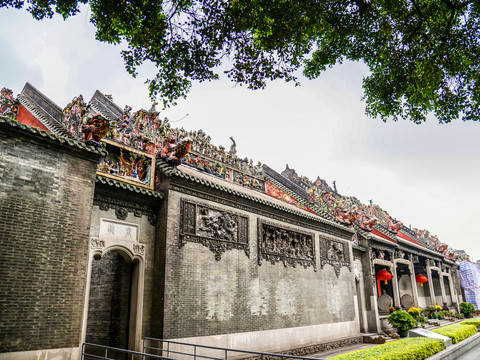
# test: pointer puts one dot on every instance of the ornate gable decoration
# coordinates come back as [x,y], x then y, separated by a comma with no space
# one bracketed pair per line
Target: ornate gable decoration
[8,104]
[216,161]
[291,247]
[217,229]
[335,253]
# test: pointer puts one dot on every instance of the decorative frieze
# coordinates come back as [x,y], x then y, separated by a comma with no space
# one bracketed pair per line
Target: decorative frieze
[335,253]
[279,244]
[290,218]
[96,243]
[122,208]
[382,253]
[139,249]
[118,235]
[215,228]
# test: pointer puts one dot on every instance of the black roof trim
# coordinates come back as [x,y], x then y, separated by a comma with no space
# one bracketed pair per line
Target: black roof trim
[107,107]
[285,182]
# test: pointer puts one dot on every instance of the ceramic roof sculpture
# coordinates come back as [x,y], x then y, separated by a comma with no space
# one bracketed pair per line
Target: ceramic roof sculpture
[135,140]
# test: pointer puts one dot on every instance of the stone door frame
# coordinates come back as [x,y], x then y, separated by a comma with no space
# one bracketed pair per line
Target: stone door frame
[132,252]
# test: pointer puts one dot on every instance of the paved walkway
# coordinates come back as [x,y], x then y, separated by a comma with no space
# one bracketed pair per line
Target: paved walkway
[472,354]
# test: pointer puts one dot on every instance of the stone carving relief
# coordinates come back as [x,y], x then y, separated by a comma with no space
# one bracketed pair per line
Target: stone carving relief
[139,249]
[96,243]
[217,229]
[122,208]
[291,247]
[119,235]
[256,210]
[121,213]
[335,253]
[381,254]
[355,239]
[454,277]
[399,254]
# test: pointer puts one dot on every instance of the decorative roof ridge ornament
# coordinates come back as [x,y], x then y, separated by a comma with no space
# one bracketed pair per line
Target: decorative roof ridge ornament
[394,228]
[172,152]
[368,223]
[8,104]
[84,125]
[233,147]
[94,128]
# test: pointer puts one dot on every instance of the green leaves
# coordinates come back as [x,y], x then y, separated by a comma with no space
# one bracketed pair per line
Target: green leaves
[416,348]
[402,320]
[422,55]
[457,332]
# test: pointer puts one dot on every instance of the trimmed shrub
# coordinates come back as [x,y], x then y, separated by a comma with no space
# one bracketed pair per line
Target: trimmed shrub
[402,320]
[475,322]
[457,332]
[416,348]
[467,309]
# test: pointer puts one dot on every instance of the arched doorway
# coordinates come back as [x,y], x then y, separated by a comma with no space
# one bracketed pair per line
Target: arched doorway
[115,301]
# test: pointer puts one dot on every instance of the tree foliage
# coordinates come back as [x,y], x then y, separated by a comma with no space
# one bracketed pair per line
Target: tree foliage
[423,55]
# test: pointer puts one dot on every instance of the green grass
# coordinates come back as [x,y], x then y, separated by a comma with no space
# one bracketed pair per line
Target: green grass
[416,348]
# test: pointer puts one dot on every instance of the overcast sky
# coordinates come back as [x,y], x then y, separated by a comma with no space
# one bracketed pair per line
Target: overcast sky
[427,176]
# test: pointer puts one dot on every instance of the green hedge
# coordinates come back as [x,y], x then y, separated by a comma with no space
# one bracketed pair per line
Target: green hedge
[457,332]
[475,322]
[417,348]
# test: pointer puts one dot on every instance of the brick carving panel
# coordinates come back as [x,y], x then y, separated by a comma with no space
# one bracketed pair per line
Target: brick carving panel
[215,228]
[335,253]
[289,246]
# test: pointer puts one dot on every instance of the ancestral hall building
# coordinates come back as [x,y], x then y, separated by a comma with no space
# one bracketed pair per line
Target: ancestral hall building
[115,226]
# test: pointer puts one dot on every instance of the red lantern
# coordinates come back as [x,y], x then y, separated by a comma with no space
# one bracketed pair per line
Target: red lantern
[382,275]
[420,279]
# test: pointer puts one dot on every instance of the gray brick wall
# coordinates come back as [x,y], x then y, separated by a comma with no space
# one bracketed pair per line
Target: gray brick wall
[204,296]
[46,194]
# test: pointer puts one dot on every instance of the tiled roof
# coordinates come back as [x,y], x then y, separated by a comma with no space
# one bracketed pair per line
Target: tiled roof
[43,109]
[284,181]
[311,205]
[169,171]
[51,136]
[380,234]
[129,187]
[102,104]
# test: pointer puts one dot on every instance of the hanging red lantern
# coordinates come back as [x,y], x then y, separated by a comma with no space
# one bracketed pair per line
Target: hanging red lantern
[420,279]
[384,275]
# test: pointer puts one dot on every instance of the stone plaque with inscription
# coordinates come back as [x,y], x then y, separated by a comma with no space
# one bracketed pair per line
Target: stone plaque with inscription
[110,230]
